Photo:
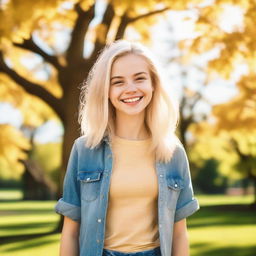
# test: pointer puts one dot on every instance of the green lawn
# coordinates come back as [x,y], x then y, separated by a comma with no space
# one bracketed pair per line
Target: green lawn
[225,226]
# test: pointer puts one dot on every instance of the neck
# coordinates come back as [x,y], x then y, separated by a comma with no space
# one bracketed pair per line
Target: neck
[131,127]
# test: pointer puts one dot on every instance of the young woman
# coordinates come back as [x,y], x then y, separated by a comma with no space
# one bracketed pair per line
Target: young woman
[127,190]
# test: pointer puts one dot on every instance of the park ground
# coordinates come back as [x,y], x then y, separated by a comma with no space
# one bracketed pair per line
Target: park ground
[224,226]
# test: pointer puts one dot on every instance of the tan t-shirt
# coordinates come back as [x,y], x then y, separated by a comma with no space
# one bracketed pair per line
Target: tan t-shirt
[132,217]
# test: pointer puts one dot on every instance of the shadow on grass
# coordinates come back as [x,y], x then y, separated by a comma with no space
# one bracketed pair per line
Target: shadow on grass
[7,200]
[33,211]
[25,238]
[30,242]
[24,226]
[224,215]
[203,249]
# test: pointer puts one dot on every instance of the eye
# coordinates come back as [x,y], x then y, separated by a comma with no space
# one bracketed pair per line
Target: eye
[117,82]
[141,78]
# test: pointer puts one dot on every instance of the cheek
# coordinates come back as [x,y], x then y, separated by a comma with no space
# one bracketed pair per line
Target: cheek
[113,95]
[149,92]
[149,89]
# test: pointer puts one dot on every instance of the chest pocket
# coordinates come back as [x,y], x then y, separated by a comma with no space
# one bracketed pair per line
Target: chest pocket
[174,187]
[90,182]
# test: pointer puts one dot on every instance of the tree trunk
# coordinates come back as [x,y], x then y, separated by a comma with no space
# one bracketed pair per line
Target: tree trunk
[72,79]
[37,189]
[36,184]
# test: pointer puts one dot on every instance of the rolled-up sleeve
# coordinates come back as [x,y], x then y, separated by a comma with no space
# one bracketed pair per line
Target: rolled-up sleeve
[186,204]
[70,204]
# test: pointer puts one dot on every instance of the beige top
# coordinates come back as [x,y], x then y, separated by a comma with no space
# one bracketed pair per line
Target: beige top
[132,220]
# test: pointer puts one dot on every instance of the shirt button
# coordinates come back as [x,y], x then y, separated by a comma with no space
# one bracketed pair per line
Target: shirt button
[98,241]
[160,225]
[109,156]
[161,175]
[88,179]
[99,220]
[175,185]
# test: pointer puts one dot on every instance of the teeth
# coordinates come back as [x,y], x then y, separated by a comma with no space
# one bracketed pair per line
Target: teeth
[131,100]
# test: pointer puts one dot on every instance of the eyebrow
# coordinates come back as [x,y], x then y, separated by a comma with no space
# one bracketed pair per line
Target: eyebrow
[139,73]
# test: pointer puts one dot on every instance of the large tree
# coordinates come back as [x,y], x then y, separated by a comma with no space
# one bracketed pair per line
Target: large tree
[225,31]
[35,30]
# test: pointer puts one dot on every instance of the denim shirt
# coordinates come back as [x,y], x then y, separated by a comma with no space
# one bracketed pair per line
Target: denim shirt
[86,187]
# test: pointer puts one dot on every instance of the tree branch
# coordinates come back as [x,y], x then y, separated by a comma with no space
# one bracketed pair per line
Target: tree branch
[149,14]
[101,39]
[125,21]
[33,88]
[76,47]
[198,96]
[29,44]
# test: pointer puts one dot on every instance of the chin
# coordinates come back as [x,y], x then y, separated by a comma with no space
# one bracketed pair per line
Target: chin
[133,113]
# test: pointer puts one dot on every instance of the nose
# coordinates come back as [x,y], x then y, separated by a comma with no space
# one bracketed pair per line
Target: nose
[131,87]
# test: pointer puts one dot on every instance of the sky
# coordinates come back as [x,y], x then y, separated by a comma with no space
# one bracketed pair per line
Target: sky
[218,91]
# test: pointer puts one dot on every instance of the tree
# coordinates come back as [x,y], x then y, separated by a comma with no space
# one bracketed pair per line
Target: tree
[232,46]
[30,21]
[238,117]
[208,178]
[180,73]
[31,29]
[12,148]
[37,184]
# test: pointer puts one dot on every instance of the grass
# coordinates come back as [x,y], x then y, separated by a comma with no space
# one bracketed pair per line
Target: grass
[224,226]
[37,246]
[10,194]
[26,217]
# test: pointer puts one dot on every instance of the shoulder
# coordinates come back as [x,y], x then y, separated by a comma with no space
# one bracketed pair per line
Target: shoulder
[89,158]
[82,148]
[178,161]
[179,151]
[80,142]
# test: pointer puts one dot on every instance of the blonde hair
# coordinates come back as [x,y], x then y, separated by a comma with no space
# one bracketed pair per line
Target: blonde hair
[97,115]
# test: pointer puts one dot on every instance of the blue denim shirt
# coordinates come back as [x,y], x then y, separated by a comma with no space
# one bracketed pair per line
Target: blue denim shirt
[86,187]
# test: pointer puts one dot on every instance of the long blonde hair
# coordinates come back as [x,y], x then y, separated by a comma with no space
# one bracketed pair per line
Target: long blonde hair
[97,115]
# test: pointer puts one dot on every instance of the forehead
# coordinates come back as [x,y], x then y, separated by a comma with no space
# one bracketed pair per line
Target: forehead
[128,65]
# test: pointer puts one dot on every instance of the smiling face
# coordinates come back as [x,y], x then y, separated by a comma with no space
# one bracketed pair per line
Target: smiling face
[130,85]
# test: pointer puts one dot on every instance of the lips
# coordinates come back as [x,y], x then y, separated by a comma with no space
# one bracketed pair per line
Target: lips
[132,100]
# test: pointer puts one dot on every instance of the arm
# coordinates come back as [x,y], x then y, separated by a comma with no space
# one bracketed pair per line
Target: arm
[180,245]
[69,245]
[187,204]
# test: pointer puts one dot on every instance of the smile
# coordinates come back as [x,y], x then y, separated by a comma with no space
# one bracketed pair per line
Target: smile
[132,99]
